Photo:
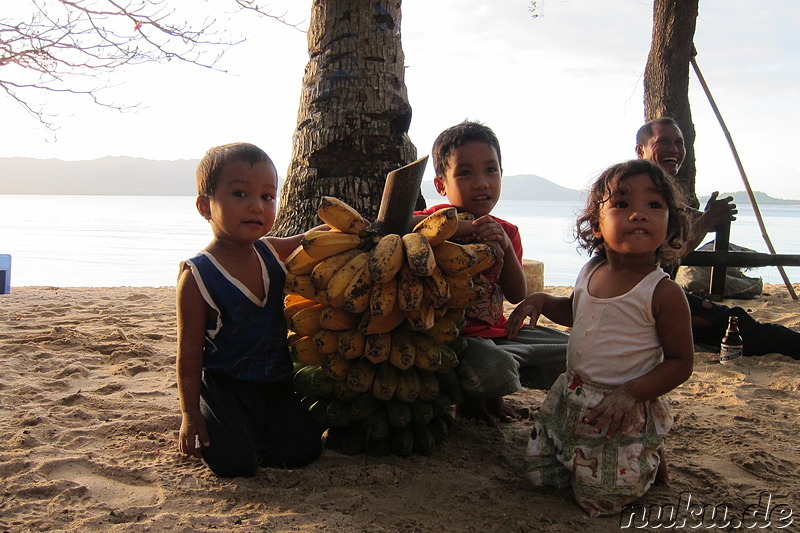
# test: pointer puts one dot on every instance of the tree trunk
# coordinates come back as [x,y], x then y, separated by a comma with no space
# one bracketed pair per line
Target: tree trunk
[666,76]
[352,125]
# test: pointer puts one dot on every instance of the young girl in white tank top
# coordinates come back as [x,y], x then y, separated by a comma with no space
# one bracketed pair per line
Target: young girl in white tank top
[602,425]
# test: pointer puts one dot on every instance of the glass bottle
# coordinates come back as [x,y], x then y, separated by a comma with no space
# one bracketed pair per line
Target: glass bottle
[730,352]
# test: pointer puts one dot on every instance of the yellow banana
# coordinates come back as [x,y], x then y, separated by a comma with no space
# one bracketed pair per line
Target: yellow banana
[336,366]
[293,337]
[357,293]
[299,262]
[340,216]
[326,340]
[453,258]
[343,391]
[321,295]
[306,321]
[438,226]
[443,330]
[300,285]
[384,384]
[305,351]
[449,359]
[290,299]
[456,316]
[322,384]
[419,254]
[323,272]
[459,280]
[463,215]
[381,324]
[428,386]
[428,355]
[421,318]
[386,258]
[402,351]
[290,310]
[338,319]
[351,344]
[437,291]
[361,375]
[383,297]
[377,347]
[339,282]
[464,297]
[486,255]
[408,385]
[409,289]
[323,244]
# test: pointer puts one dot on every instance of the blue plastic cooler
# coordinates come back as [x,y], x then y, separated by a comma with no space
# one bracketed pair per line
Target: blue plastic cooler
[5,273]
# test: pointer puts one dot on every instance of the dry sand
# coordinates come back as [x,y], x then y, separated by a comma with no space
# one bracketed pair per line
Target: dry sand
[89,417]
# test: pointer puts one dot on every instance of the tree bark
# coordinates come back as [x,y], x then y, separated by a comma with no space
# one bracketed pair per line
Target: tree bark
[666,76]
[352,124]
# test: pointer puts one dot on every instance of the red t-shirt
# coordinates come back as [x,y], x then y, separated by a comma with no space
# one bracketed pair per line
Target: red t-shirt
[479,328]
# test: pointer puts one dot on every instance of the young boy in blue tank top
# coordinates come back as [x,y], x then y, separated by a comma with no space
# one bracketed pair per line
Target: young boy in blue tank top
[239,410]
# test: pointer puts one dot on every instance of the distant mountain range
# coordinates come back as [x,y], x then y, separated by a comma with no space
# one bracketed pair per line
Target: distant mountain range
[146,177]
[741,198]
[522,187]
[107,175]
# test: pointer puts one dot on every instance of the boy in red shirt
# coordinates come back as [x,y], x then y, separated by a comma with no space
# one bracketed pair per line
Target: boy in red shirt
[466,158]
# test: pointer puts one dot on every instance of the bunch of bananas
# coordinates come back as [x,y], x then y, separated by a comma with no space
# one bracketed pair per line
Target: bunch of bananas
[374,326]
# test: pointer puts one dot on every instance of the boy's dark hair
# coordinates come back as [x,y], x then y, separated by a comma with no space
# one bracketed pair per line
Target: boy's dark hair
[458,135]
[210,167]
[645,133]
[608,182]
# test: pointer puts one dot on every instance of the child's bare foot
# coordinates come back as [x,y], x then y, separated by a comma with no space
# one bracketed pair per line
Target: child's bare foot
[497,407]
[473,408]
[662,474]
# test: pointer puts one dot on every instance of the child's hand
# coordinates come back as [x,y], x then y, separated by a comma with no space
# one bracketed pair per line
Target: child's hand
[487,229]
[618,409]
[493,272]
[193,432]
[529,307]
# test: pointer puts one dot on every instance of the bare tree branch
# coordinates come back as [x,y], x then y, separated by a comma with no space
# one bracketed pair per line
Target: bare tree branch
[63,46]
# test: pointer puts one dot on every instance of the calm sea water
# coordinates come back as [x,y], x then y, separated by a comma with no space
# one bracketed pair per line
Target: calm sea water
[105,241]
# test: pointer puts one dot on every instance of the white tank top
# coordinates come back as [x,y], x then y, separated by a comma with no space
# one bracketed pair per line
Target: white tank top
[614,340]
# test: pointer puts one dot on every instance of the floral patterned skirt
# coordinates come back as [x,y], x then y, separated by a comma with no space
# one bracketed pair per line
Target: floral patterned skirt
[605,474]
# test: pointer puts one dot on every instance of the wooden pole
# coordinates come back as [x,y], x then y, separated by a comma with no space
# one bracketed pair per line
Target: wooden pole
[399,197]
[750,194]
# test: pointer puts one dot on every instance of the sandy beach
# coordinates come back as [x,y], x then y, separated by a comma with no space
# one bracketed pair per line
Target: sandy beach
[89,418]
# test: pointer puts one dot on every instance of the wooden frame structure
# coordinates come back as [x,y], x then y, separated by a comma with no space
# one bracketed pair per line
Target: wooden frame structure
[720,258]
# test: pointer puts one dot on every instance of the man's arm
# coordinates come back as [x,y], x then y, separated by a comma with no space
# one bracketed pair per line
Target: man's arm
[716,212]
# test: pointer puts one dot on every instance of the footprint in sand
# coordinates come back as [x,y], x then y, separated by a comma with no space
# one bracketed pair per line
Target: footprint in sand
[108,486]
[763,464]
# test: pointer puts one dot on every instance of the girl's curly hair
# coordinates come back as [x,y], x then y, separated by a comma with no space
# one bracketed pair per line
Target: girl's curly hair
[608,182]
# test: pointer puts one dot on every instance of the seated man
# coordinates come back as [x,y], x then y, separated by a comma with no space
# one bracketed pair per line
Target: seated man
[661,141]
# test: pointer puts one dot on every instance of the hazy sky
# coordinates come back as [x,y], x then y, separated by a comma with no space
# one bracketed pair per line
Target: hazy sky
[562,91]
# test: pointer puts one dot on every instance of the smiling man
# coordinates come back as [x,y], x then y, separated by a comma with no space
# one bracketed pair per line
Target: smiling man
[661,141]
